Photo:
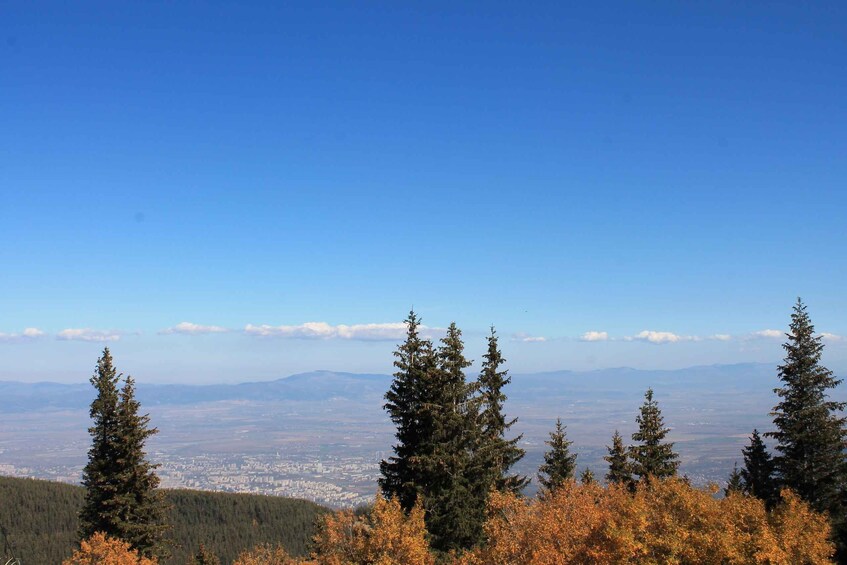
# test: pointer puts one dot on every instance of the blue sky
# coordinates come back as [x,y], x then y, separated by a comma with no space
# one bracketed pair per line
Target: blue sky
[553,169]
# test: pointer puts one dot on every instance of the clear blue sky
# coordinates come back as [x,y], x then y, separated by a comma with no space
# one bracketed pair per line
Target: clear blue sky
[554,169]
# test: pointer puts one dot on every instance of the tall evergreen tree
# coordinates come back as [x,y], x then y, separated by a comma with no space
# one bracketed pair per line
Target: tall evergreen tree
[619,466]
[454,503]
[121,499]
[415,362]
[810,432]
[758,472]
[559,463]
[101,510]
[143,507]
[496,453]
[653,456]
[735,482]
[430,402]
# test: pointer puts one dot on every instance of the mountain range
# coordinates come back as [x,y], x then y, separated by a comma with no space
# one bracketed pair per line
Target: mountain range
[357,387]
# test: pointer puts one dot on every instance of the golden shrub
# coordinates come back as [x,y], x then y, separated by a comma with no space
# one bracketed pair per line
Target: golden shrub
[387,536]
[662,522]
[265,554]
[100,549]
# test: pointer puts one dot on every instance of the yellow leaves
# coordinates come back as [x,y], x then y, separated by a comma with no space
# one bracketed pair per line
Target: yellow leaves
[266,555]
[798,531]
[100,549]
[662,522]
[386,537]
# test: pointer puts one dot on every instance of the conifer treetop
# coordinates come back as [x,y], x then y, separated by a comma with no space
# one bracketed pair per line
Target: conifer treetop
[810,430]
[559,463]
[652,456]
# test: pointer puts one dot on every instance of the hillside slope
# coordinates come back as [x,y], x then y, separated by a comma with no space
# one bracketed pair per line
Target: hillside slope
[38,521]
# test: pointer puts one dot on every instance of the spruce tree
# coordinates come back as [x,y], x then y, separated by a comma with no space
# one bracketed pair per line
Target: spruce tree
[735,482]
[619,466]
[101,511]
[652,457]
[497,454]
[587,476]
[415,362]
[143,507]
[758,471]
[430,402]
[454,503]
[121,499]
[559,464]
[810,432]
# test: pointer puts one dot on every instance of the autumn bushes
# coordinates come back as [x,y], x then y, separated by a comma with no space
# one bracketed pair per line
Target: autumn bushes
[665,521]
[385,536]
[100,549]
[662,521]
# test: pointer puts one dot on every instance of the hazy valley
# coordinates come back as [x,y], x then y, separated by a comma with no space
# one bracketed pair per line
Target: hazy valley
[321,435]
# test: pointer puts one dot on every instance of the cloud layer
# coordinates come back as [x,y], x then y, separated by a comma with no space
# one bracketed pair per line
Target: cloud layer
[526,338]
[321,330]
[188,328]
[594,336]
[660,337]
[86,334]
[767,333]
[28,333]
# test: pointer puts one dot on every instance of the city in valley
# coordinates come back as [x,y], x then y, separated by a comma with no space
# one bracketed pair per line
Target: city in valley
[325,444]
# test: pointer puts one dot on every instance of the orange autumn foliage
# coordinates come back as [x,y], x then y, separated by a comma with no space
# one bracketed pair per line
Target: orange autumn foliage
[662,522]
[100,549]
[266,555]
[387,536]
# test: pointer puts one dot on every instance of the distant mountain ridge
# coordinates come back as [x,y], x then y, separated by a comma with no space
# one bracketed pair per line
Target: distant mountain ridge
[325,385]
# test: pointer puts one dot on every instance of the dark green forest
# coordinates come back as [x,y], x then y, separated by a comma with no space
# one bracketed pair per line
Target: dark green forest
[38,521]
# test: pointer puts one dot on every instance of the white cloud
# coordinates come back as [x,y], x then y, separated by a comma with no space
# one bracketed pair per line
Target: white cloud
[594,336]
[28,333]
[767,334]
[661,337]
[721,337]
[526,338]
[832,337]
[85,334]
[321,330]
[187,328]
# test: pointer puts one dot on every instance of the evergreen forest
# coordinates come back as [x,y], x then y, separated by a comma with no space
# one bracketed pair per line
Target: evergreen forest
[39,522]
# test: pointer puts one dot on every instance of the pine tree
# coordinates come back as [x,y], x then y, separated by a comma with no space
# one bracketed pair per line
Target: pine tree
[758,471]
[101,512]
[619,466]
[143,507]
[430,403]
[121,499]
[559,464]
[587,476]
[455,505]
[735,483]
[415,362]
[810,434]
[496,453]
[653,457]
